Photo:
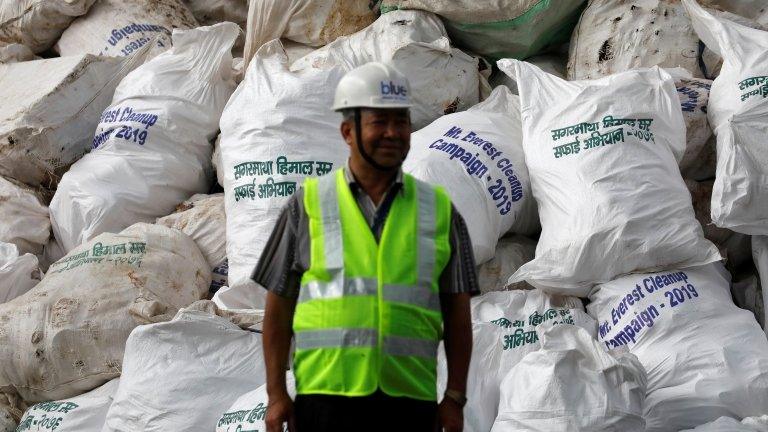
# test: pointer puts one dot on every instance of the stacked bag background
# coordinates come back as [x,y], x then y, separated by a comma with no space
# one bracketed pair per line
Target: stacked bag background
[661,345]
[152,147]
[278,128]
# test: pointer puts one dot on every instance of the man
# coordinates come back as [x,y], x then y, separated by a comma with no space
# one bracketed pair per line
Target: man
[368,268]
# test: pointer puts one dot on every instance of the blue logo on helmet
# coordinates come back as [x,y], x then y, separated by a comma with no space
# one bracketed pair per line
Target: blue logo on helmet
[392,89]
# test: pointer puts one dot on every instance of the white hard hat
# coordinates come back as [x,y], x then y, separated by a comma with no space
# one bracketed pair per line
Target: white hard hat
[373,85]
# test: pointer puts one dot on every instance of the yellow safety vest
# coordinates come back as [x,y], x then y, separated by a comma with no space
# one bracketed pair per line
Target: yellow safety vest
[368,315]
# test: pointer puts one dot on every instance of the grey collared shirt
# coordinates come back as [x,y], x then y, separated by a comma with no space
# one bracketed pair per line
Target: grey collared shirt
[286,255]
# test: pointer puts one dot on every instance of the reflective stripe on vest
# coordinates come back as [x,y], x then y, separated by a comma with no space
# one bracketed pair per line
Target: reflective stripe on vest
[368,314]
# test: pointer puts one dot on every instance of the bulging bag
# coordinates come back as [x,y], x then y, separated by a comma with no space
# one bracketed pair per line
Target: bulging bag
[704,356]
[738,113]
[506,326]
[152,149]
[67,334]
[609,192]
[180,375]
[84,413]
[572,384]
[477,156]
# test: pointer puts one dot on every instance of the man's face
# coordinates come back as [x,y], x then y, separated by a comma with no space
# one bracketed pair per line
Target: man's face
[386,135]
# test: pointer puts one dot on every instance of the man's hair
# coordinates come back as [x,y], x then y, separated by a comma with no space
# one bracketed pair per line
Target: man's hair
[348,114]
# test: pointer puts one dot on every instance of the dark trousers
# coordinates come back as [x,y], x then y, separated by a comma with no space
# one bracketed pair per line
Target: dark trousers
[377,412]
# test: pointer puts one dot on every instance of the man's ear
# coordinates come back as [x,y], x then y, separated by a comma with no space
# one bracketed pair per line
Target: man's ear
[346,132]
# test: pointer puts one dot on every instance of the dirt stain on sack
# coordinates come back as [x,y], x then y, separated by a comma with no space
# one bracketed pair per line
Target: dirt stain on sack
[137,281]
[606,52]
[345,17]
[62,311]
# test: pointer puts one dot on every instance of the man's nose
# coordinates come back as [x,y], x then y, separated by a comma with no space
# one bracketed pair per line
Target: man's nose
[393,130]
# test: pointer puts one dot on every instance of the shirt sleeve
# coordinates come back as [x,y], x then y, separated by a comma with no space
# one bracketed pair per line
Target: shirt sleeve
[460,274]
[277,267]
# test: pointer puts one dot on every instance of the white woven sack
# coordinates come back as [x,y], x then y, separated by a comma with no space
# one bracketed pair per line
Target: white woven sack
[443,79]
[66,336]
[275,119]
[47,123]
[606,180]
[734,247]
[38,23]
[84,413]
[505,327]
[152,147]
[311,22]
[181,375]
[118,28]
[16,53]
[705,357]
[728,424]
[202,218]
[477,156]
[278,127]
[572,384]
[738,113]
[25,220]
[249,410]
[19,273]
[511,253]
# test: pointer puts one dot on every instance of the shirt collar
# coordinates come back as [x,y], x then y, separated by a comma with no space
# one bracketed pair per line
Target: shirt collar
[350,178]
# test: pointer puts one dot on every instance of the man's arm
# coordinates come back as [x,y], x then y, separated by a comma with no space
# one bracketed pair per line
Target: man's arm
[276,334]
[458,283]
[279,272]
[458,339]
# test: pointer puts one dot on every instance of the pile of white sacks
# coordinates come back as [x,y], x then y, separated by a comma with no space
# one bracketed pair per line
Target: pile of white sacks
[615,189]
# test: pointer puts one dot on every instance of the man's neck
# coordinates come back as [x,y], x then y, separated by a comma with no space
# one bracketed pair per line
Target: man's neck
[373,181]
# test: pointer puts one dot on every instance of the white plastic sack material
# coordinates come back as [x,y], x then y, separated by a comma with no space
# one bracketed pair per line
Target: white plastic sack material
[728,424]
[7,423]
[705,357]
[67,335]
[572,384]
[181,375]
[699,159]
[118,28]
[16,53]
[276,129]
[609,191]
[752,9]
[511,253]
[38,23]
[501,28]
[735,247]
[84,413]
[209,12]
[47,122]
[310,22]
[477,156]
[443,79]
[249,410]
[25,220]
[615,36]
[549,63]
[202,218]
[18,273]
[738,113]
[760,256]
[505,327]
[152,149]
